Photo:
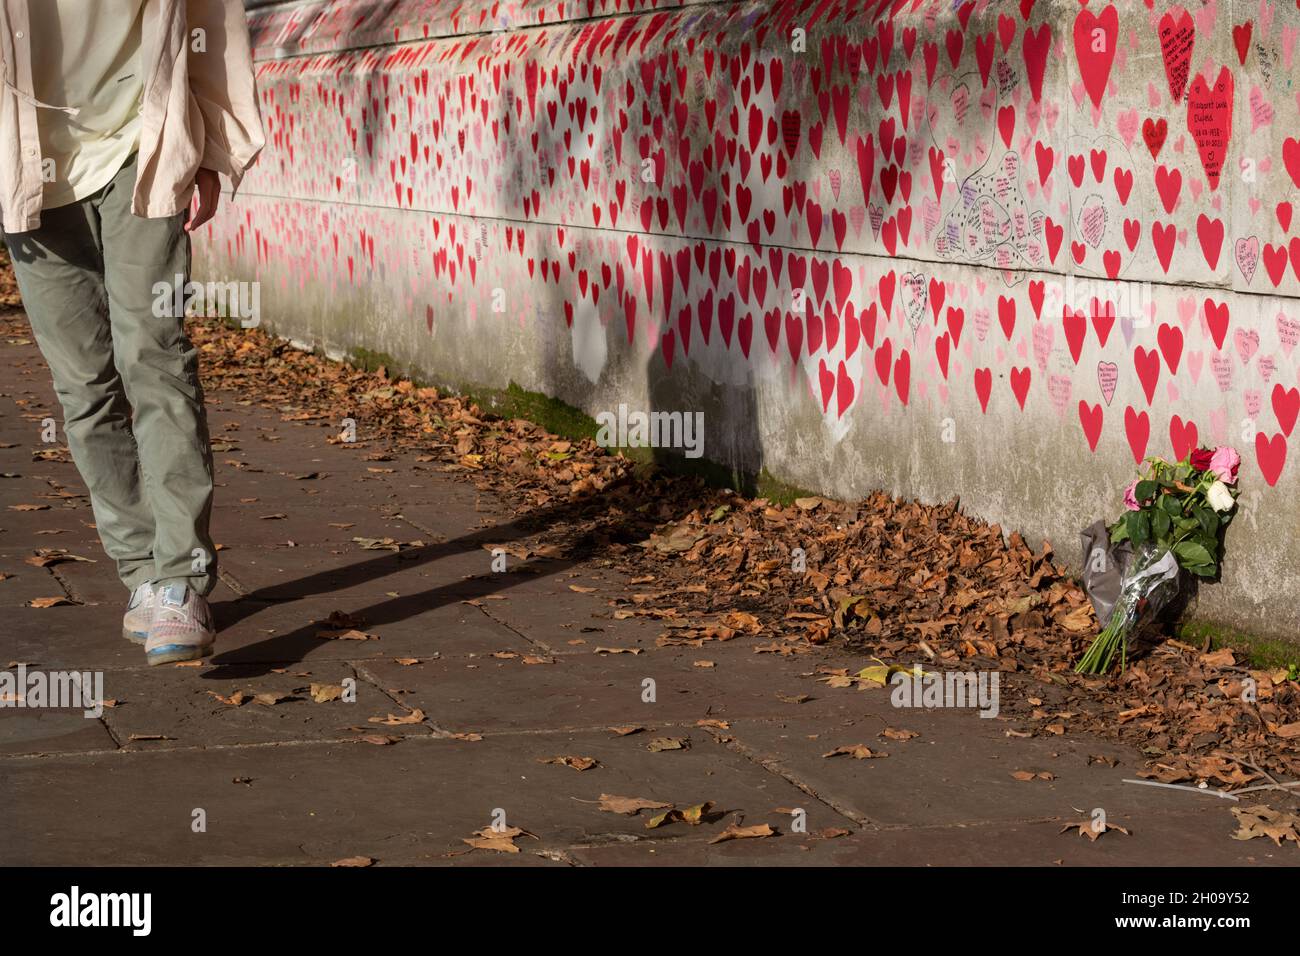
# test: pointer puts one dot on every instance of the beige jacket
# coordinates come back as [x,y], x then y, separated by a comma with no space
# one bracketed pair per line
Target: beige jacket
[200,108]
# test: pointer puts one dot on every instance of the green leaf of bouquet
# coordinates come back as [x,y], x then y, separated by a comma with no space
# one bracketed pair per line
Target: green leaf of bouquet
[1172,505]
[1139,527]
[1119,532]
[1145,489]
[1161,524]
[1192,554]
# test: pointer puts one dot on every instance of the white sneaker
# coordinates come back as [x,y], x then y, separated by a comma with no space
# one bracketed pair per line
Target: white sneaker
[139,614]
[182,627]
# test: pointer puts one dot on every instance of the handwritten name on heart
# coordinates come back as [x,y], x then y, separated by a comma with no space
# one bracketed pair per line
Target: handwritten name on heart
[1209,120]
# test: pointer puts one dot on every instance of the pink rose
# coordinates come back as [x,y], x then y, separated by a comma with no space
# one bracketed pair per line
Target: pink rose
[1130,496]
[1224,464]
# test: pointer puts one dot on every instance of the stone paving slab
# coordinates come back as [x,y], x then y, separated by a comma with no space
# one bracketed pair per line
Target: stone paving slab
[184,706]
[409,802]
[79,637]
[53,528]
[1180,839]
[52,731]
[955,772]
[1167,841]
[98,583]
[577,690]
[317,524]
[22,582]
[269,632]
[289,573]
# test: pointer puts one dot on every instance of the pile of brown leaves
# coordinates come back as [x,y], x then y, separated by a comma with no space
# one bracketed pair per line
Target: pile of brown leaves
[9,297]
[307,387]
[895,576]
[908,583]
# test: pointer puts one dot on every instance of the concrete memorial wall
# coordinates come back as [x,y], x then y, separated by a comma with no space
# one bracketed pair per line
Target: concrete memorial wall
[1000,250]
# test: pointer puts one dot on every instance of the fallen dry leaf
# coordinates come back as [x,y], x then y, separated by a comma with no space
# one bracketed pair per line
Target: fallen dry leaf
[1264,821]
[1093,830]
[1079,620]
[629,806]
[236,699]
[693,815]
[1220,658]
[45,557]
[1026,775]
[736,832]
[857,751]
[577,763]
[351,634]
[414,717]
[893,733]
[502,841]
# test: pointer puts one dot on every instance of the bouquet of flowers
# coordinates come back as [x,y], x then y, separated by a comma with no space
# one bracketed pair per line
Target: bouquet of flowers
[1174,522]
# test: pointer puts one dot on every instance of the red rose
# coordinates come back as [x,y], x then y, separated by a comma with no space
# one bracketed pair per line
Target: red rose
[1201,458]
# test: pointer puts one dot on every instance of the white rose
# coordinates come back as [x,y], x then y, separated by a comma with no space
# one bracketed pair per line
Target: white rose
[1219,497]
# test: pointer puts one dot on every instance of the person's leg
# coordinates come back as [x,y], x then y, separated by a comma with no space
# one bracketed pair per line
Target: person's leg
[143,260]
[59,269]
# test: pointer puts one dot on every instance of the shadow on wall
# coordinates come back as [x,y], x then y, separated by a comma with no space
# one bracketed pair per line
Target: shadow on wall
[704,428]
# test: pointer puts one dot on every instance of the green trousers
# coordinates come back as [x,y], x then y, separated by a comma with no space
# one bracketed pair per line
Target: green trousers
[95,282]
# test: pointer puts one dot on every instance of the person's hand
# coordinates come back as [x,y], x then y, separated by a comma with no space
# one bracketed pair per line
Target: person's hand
[208,185]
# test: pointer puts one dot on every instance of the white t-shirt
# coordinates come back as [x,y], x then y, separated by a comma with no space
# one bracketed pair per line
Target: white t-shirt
[86,56]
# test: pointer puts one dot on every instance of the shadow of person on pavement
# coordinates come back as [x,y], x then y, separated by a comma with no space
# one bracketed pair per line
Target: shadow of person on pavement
[608,516]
